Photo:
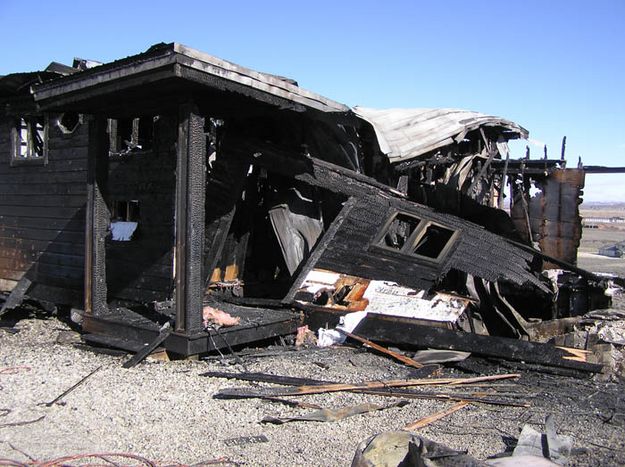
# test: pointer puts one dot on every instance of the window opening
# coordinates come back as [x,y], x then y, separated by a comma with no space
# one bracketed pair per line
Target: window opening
[433,241]
[398,232]
[125,216]
[29,139]
[145,132]
[69,121]
[414,236]
[128,135]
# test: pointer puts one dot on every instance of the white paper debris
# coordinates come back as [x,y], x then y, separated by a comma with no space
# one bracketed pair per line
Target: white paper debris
[388,298]
[329,337]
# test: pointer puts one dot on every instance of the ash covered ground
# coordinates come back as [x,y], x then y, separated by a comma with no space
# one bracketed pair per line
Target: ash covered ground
[166,412]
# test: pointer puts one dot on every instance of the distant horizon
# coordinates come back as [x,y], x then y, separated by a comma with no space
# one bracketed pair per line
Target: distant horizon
[604,203]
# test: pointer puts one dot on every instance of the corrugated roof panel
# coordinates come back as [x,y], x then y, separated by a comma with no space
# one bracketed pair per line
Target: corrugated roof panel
[409,133]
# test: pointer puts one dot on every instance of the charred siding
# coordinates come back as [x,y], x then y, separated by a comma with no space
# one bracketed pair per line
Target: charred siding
[42,216]
[475,251]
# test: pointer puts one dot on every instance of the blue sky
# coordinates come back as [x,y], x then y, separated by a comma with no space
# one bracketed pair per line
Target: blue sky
[556,67]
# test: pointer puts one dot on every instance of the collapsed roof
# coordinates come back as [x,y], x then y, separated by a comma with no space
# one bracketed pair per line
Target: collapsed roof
[405,134]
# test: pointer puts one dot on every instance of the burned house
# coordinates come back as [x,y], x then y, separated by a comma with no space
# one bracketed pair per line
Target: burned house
[176,182]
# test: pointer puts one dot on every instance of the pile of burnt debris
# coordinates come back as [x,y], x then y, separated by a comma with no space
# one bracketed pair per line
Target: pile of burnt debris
[550,370]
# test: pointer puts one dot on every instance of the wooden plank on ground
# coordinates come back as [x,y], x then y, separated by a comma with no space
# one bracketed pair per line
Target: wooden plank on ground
[479,397]
[425,421]
[339,387]
[165,331]
[402,358]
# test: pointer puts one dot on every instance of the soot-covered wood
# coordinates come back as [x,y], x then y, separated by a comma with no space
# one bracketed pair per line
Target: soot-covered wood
[402,331]
[141,269]
[190,219]
[42,210]
[475,250]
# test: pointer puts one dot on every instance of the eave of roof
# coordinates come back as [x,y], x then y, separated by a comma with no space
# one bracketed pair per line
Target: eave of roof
[178,61]
[18,83]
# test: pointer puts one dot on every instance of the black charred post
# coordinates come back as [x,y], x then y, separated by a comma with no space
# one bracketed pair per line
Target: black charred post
[97,218]
[190,200]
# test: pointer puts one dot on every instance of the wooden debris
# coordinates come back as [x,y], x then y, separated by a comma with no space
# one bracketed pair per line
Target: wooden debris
[484,398]
[332,415]
[16,296]
[405,332]
[165,331]
[425,421]
[577,355]
[402,358]
[65,393]
[159,355]
[338,387]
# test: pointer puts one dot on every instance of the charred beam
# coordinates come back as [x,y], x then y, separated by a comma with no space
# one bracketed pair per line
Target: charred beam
[403,332]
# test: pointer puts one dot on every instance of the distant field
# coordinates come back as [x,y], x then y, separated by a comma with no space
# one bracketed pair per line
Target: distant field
[602,210]
[596,263]
[592,240]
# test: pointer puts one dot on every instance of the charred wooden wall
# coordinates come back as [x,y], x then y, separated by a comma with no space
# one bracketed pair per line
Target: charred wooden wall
[475,251]
[141,270]
[42,211]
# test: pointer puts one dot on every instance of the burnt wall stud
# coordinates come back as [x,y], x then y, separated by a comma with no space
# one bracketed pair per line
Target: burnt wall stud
[190,201]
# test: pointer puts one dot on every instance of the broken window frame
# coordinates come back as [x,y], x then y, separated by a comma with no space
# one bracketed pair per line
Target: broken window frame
[119,146]
[62,125]
[411,243]
[125,210]
[27,137]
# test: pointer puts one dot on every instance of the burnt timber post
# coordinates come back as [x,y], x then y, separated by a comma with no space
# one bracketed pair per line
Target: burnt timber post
[97,218]
[190,201]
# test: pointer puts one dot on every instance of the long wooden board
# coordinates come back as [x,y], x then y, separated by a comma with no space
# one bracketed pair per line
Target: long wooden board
[401,331]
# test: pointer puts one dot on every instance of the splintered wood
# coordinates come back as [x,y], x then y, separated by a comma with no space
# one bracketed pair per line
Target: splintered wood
[422,422]
[396,355]
[491,397]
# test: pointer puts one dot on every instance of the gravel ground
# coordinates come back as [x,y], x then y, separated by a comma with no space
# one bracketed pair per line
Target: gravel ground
[166,411]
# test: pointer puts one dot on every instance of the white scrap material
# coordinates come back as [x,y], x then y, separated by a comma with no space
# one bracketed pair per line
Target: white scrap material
[328,337]
[317,280]
[122,231]
[612,332]
[388,298]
